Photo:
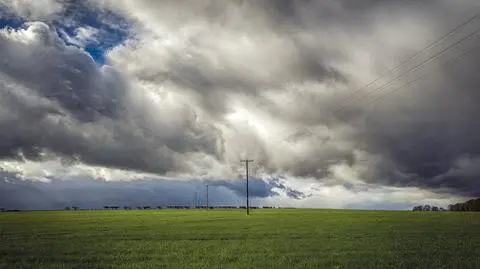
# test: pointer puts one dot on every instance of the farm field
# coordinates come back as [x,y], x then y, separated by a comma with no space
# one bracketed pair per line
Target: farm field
[268,238]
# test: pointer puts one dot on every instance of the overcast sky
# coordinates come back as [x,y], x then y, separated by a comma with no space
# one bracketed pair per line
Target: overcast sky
[145,102]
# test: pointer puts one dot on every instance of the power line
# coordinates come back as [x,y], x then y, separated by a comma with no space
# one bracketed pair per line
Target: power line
[341,106]
[431,45]
[246,169]
[435,56]
[379,98]
[206,196]
[422,76]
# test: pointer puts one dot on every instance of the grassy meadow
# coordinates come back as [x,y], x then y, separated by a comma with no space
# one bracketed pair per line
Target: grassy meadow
[268,238]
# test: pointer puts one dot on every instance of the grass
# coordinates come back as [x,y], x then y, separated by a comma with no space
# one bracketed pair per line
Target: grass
[229,239]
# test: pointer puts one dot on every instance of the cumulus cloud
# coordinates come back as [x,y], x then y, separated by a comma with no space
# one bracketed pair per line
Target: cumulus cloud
[57,93]
[82,36]
[33,9]
[197,86]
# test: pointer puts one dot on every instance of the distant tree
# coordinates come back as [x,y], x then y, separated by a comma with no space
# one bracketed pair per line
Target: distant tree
[434,208]
[139,207]
[106,207]
[146,207]
[470,205]
[477,205]
[126,207]
[75,208]
[418,208]
[67,208]
[427,208]
[159,207]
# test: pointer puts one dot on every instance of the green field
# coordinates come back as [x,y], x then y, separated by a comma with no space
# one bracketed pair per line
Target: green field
[228,239]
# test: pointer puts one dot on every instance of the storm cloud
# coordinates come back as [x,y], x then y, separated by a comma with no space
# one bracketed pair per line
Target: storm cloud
[90,193]
[190,88]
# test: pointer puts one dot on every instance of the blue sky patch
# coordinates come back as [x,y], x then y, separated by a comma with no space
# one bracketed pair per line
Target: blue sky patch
[111,28]
[97,53]
[15,23]
[8,20]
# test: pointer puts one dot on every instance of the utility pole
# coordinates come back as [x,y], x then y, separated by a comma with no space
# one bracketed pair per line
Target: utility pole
[246,169]
[206,196]
[195,200]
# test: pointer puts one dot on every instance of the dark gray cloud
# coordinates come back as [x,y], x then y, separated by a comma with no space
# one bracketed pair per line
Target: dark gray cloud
[424,138]
[55,98]
[66,75]
[87,192]
[421,134]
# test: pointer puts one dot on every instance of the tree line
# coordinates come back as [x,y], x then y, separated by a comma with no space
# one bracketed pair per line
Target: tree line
[470,205]
[172,207]
[428,208]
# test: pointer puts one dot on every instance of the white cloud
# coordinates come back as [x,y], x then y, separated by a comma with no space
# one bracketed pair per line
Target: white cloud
[33,9]
[372,197]
[82,36]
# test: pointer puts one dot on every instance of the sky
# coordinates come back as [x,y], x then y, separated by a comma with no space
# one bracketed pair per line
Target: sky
[133,103]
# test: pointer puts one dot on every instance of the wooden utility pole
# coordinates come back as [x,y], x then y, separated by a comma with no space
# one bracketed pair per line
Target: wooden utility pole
[206,196]
[246,169]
